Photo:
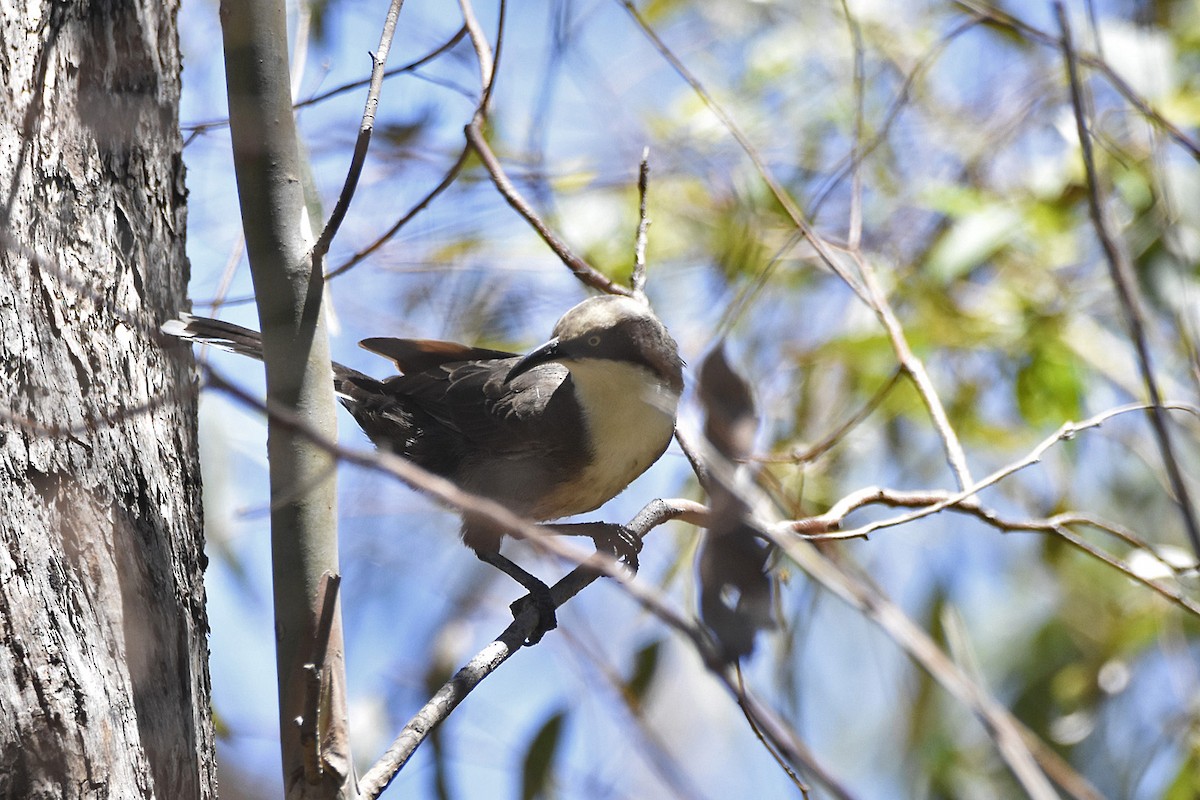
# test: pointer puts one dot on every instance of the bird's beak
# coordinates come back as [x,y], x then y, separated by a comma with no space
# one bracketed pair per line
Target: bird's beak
[540,355]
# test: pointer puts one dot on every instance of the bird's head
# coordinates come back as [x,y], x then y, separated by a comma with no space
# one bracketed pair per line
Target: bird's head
[613,328]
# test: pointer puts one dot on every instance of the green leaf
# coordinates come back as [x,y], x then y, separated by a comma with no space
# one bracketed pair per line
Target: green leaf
[537,768]
[1049,390]
[645,667]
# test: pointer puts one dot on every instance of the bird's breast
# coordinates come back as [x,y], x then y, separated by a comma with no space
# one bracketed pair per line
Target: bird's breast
[629,415]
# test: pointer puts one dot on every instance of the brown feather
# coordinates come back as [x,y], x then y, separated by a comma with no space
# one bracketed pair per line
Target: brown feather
[419,355]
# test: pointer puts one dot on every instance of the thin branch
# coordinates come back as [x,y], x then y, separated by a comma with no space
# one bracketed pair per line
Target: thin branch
[475,138]
[365,129]
[1167,591]
[752,721]
[813,452]
[196,128]
[1068,430]
[819,244]
[447,179]
[1019,747]
[236,251]
[868,290]
[582,270]
[489,659]
[692,453]
[854,225]
[748,292]
[956,457]
[1004,729]
[994,16]
[483,52]
[498,651]
[852,160]
[638,280]
[651,744]
[772,731]
[478,142]
[824,526]
[1121,272]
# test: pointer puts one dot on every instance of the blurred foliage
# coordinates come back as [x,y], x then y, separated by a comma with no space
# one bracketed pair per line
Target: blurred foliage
[965,172]
[537,773]
[645,672]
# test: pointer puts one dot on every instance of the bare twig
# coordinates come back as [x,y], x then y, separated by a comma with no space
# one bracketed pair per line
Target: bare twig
[487,64]
[692,453]
[749,291]
[365,129]
[1121,272]
[868,290]
[851,161]
[483,52]
[752,721]
[1020,748]
[195,128]
[1169,592]
[994,16]
[813,452]
[823,249]
[449,178]
[854,225]
[583,270]
[638,280]
[478,142]
[956,457]
[489,659]
[1004,729]
[236,251]
[824,526]
[1067,431]
[651,745]
[769,727]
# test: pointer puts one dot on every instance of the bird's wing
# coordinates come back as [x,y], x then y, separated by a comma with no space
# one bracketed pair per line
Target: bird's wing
[473,399]
[420,355]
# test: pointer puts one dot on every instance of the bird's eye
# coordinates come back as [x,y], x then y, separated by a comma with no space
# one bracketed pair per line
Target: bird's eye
[594,341]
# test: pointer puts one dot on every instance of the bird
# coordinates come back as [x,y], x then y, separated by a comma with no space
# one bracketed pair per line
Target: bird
[551,433]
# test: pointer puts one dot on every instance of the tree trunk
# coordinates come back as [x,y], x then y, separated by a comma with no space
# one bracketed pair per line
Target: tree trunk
[104,688]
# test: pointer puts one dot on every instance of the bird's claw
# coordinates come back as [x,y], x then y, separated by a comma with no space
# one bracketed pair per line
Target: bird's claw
[620,542]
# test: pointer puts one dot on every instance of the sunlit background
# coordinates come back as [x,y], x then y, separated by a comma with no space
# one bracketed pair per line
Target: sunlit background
[968,201]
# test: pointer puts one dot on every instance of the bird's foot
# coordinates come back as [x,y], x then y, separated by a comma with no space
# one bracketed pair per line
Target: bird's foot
[542,603]
[619,542]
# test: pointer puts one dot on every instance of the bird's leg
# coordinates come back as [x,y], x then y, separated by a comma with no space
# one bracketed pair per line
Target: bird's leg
[539,594]
[609,537]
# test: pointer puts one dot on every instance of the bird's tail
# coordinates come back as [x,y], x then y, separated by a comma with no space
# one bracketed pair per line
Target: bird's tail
[218,333]
[246,342]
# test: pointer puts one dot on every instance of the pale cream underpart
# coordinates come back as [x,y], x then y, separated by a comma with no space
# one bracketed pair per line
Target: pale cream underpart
[630,415]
